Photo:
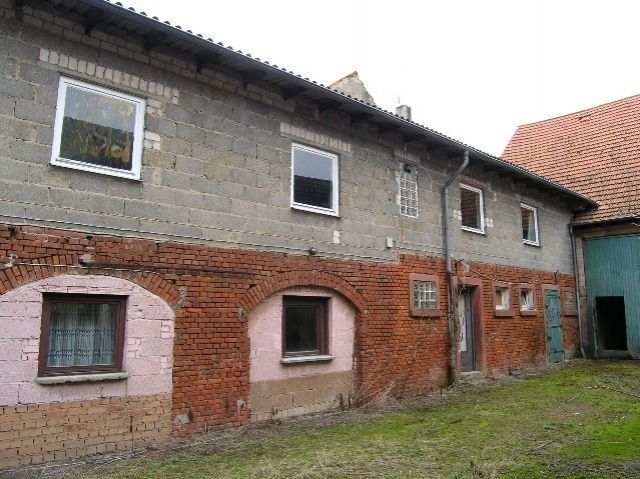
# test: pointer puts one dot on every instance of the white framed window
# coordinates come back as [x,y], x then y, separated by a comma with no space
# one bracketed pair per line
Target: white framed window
[530,231]
[472,208]
[98,130]
[408,190]
[502,300]
[527,302]
[314,180]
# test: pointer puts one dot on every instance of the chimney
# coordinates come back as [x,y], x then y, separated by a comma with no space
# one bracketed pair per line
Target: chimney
[404,111]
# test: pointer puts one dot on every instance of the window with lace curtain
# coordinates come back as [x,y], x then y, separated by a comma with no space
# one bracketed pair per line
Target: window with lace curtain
[81,334]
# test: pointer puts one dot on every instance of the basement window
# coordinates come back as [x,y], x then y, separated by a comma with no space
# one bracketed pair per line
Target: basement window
[408,190]
[424,295]
[314,180]
[472,208]
[81,334]
[98,130]
[529,216]
[305,325]
[502,300]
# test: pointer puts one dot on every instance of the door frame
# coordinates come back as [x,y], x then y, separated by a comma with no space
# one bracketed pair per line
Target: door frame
[556,288]
[477,308]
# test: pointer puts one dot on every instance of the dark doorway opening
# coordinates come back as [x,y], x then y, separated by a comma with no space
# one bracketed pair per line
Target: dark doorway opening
[612,323]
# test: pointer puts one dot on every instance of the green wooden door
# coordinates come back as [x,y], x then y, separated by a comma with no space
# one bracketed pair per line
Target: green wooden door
[554,326]
[612,266]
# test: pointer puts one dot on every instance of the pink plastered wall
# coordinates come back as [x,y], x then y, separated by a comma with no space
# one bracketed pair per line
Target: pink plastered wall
[265,335]
[148,349]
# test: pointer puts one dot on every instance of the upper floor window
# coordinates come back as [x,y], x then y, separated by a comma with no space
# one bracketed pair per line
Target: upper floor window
[472,208]
[314,180]
[81,333]
[529,216]
[408,190]
[98,130]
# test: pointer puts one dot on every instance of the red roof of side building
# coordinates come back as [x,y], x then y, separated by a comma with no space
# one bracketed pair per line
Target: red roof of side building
[595,152]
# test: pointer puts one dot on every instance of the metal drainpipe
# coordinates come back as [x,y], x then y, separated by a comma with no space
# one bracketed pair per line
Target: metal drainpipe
[453,350]
[577,285]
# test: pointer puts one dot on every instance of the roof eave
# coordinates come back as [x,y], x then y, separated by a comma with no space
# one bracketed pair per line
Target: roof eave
[310,85]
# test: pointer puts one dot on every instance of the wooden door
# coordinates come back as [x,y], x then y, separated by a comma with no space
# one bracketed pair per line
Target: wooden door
[554,326]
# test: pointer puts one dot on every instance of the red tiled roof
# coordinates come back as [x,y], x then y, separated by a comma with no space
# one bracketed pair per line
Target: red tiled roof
[595,152]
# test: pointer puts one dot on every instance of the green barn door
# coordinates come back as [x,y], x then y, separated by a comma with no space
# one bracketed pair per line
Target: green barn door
[554,326]
[612,267]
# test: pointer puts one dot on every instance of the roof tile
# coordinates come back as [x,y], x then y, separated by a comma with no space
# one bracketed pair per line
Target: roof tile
[595,152]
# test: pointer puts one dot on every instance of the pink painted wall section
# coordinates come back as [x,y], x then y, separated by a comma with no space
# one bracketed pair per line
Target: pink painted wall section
[148,351]
[265,335]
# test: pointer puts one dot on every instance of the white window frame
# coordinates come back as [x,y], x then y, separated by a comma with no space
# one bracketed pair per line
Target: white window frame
[414,180]
[527,291]
[535,222]
[505,294]
[138,134]
[335,211]
[481,230]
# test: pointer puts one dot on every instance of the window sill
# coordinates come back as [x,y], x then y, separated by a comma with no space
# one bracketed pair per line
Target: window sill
[81,378]
[426,313]
[473,230]
[101,170]
[311,209]
[528,312]
[531,243]
[503,313]
[307,359]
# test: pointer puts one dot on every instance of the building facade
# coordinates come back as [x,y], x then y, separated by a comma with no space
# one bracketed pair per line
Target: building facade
[194,239]
[598,150]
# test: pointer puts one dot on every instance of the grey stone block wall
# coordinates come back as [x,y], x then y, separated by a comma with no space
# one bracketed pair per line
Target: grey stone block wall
[217,161]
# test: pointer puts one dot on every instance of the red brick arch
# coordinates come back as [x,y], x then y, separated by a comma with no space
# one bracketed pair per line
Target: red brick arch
[20,275]
[281,281]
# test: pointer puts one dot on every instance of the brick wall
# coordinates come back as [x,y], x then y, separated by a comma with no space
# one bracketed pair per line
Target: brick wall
[212,290]
[31,434]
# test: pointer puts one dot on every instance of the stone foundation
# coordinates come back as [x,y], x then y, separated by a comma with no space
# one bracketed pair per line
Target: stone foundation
[300,395]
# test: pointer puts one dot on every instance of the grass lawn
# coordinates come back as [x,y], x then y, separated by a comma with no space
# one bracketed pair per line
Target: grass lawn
[557,425]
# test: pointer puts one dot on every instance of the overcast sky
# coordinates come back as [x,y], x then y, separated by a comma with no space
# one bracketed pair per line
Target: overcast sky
[470,69]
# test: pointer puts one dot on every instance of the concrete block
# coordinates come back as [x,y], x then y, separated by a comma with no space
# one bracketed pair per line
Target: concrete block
[218,140]
[16,88]
[8,66]
[17,49]
[32,111]
[24,192]
[30,152]
[173,179]
[7,105]
[190,133]
[14,170]
[47,95]
[161,125]
[187,164]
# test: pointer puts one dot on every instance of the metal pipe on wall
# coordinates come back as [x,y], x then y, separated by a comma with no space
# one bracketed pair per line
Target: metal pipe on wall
[577,287]
[453,350]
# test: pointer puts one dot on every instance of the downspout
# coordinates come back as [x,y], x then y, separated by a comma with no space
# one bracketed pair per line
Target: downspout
[453,347]
[577,286]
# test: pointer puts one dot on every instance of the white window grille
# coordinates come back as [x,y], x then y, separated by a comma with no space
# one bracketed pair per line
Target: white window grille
[424,295]
[408,190]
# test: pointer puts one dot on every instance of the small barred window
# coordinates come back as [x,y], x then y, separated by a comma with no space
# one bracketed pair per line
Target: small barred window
[424,295]
[408,190]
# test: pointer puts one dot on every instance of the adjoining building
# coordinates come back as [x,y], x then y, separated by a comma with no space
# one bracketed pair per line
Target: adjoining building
[193,239]
[597,152]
